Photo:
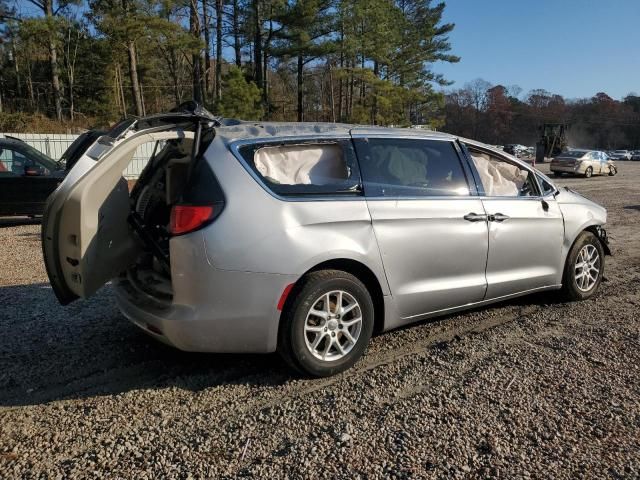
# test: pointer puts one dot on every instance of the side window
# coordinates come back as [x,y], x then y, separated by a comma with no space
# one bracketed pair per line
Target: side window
[501,178]
[410,167]
[13,162]
[6,162]
[545,186]
[305,168]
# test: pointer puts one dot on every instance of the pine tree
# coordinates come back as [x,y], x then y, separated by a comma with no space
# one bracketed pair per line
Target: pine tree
[305,36]
[242,98]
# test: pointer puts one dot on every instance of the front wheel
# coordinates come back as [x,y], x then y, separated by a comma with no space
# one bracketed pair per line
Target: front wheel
[584,268]
[612,171]
[327,325]
[588,172]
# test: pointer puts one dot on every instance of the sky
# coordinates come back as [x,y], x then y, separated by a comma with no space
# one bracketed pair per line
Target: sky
[575,48]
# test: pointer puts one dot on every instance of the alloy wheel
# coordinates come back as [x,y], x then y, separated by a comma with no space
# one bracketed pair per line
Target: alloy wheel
[587,268]
[333,325]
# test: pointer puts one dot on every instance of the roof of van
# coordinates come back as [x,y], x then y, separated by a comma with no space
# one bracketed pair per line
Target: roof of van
[251,130]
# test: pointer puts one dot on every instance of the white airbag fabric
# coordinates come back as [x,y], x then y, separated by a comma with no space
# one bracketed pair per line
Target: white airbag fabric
[302,164]
[500,179]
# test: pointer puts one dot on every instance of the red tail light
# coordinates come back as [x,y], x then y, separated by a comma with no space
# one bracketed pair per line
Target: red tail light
[187,218]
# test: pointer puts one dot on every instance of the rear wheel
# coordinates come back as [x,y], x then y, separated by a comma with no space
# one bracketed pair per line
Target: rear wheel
[584,268]
[328,323]
[588,172]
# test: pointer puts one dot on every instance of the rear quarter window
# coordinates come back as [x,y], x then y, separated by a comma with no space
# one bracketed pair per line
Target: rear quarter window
[308,168]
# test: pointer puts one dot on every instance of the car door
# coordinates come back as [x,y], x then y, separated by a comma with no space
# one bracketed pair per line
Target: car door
[25,181]
[526,229]
[428,221]
[11,193]
[86,238]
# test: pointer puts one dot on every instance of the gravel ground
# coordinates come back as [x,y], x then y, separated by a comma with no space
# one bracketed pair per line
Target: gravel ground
[528,388]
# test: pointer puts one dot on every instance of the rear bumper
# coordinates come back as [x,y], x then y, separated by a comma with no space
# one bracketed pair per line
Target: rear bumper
[212,310]
[567,168]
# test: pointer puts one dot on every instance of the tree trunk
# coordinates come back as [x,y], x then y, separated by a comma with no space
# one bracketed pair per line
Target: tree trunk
[352,82]
[121,90]
[17,69]
[374,107]
[30,91]
[53,64]
[173,70]
[194,29]
[340,116]
[236,34]
[333,101]
[257,44]
[133,73]
[219,14]
[300,87]
[207,50]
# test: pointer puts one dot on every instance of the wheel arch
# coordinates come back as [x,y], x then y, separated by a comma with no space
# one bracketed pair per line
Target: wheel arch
[360,271]
[601,235]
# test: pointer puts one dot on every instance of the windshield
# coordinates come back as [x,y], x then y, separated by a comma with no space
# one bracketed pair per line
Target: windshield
[40,157]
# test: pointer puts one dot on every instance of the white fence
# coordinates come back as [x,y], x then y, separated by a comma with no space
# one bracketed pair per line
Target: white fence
[55,144]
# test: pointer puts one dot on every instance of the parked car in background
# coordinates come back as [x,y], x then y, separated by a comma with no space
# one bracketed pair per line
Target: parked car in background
[620,155]
[306,238]
[27,177]
[635,155]
[583,162]
[512,149]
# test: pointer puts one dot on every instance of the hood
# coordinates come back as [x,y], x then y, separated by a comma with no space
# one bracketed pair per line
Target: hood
[566,196]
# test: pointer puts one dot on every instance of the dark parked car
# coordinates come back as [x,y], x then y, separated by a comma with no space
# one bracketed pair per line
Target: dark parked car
[635,155]
[27,177]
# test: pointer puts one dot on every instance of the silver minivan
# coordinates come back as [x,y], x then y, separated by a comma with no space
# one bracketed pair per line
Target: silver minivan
[307,238]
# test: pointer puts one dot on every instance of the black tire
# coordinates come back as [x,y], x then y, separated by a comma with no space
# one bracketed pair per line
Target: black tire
[570,290]
[292,338]
[588,172]
[612,171]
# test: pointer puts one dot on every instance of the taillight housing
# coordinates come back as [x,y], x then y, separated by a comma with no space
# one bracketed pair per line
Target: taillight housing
[187,218]
[201,202]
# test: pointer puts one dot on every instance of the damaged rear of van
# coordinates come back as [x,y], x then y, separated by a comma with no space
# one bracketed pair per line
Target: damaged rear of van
[148,241]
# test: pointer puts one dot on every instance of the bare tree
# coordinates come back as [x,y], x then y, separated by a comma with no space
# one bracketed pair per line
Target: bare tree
[47,8]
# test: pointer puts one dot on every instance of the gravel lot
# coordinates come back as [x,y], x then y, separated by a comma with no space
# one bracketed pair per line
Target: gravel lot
[528,388]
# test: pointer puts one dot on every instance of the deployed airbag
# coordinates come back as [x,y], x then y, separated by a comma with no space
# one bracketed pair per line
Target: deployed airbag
[302,164]
[499,179]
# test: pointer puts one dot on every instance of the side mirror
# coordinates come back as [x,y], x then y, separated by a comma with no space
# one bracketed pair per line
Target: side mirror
[32,171]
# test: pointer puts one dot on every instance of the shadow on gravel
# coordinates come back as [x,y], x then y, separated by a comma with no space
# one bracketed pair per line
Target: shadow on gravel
[18,221]
[632,207]
[49,352]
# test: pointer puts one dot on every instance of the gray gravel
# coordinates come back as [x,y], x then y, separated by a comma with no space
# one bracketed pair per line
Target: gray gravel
[529,388]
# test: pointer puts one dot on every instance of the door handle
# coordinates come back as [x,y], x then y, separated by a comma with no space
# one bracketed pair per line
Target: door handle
[498,217]
[475,217]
